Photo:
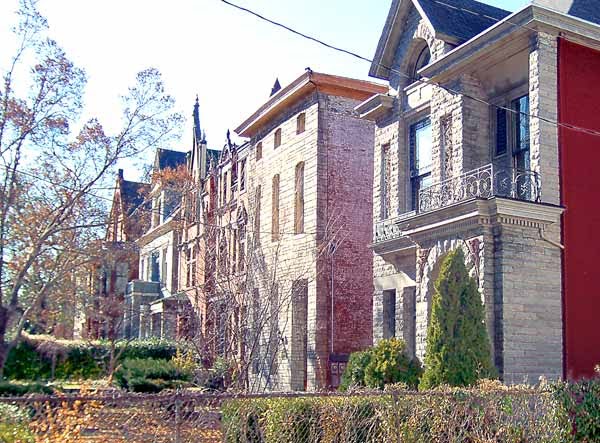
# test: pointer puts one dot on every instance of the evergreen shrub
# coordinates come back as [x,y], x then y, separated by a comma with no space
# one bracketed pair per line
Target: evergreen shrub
[458,347]
[384,364]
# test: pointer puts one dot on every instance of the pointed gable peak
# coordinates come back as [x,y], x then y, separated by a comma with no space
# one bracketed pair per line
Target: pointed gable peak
[453,21]
[276,87]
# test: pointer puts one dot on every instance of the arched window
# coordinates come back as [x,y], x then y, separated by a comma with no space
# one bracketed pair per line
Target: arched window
[301,123]
[423,60]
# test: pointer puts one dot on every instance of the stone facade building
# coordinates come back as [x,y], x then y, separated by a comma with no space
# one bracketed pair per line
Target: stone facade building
[467,155]
[308,174]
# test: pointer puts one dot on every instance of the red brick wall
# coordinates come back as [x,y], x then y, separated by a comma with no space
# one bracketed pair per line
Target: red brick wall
[347,143]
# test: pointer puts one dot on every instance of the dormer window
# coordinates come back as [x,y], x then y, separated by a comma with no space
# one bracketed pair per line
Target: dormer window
[423,60]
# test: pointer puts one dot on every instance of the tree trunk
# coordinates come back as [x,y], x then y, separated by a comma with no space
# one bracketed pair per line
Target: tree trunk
[4,350]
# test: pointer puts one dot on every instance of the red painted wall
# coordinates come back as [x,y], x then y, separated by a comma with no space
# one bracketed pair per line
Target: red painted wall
[579,104]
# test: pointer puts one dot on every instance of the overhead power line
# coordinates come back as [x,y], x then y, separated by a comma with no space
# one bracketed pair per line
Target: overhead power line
[420,80]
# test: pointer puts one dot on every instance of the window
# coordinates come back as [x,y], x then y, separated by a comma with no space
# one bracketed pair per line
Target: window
[420,158]
[242,247]
[259,151]
[257,206]
[193,266]
[299,199]
[389,313]
[274,329]
[163,271]
[512,132]
[234,245]
[386,173]
[188,265]
[243,175]
[257,331]
[520,151]
[301,123]
[275,209]
[277,139]
[154,266]
[422,60]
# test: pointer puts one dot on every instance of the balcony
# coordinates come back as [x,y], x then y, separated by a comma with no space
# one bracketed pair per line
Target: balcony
[481,183]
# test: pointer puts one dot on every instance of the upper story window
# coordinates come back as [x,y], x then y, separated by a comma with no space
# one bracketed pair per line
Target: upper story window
[420,158]
[301,123]
[259,151]
[512,132]
[277,139]
[299,199]
[386,172]
[275,209]
[243,175]
[422,60]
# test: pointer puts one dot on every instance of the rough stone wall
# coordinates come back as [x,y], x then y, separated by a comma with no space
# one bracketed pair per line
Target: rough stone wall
[293,256]
[529,297]
[543,96]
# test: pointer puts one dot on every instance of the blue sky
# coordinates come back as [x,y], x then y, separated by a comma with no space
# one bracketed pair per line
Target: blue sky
[230,59]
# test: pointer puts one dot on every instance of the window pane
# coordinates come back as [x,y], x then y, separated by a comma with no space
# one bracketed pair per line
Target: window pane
[423,146]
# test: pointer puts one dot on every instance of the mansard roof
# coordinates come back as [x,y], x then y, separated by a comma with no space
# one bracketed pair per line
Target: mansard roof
[453,21]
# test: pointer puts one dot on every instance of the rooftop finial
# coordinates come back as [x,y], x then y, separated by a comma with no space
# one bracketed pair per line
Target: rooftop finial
[197,129]
[276,87]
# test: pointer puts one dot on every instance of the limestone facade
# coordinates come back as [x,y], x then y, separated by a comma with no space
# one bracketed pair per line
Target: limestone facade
[491,187]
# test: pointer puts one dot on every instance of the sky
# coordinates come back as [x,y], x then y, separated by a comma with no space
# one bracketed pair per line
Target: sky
[228,58]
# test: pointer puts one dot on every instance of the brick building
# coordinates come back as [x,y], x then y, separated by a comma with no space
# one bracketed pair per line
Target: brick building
[308,177]
[100,314]
[472,158]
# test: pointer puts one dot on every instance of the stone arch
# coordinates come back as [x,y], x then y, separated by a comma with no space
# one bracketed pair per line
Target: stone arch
[428,269]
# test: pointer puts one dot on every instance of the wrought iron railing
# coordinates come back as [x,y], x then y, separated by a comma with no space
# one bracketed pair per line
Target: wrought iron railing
[485,182]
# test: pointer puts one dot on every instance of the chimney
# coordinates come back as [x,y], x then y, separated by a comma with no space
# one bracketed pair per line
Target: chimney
[120,174]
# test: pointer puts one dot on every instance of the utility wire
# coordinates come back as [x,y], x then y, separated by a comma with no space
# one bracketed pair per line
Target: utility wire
[420,80]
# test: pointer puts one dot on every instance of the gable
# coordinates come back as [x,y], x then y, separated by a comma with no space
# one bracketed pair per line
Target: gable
[449,21]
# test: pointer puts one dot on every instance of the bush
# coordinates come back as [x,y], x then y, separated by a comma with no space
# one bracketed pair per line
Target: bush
[458,348]
[512,416]
[8,389]
[390,364]
[14,425]
[35,356]
[354,374]
[384,364]
[581,403]
[150,375]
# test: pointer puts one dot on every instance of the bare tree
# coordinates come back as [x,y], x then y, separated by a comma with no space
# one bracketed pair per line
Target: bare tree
[51,180]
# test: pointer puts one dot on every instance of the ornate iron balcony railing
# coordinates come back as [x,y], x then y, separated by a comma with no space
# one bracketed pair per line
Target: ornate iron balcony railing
[485,182]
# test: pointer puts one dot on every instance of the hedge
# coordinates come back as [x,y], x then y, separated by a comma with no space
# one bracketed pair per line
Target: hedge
[492,415]
[150,375]
[32,359]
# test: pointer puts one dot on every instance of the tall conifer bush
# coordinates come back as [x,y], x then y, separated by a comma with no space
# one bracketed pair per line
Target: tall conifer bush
[458,348]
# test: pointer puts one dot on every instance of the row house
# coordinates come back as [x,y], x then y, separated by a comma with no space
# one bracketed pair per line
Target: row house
[153,305]
[306,212]
[486,140]
[99,316]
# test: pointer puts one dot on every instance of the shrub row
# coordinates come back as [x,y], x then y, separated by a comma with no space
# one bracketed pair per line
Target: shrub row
[150,375]
[34,358]
[458,415]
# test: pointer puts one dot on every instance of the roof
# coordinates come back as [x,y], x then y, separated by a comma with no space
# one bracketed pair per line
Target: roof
[299,88]
[133,194]
[212,157]
[167,158]
[454,21]
[583,9]
[460,20]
